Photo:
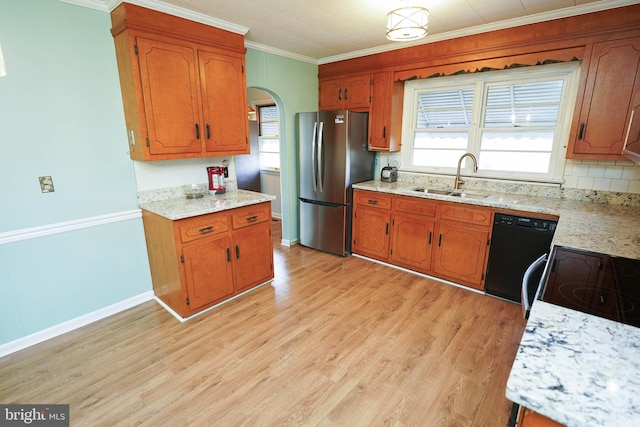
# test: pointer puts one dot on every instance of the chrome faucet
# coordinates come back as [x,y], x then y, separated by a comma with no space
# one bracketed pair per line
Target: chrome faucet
[458,181]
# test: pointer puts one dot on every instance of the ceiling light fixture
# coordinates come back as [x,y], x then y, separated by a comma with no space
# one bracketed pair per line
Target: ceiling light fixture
[407,23]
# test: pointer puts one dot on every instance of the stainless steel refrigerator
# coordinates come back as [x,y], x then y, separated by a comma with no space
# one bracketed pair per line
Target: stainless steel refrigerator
[333,155]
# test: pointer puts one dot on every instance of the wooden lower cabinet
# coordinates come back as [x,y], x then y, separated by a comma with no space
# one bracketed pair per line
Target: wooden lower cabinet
[461,253]
[463,243]
[371,222]
[200,261]
[253,251]
[529,418]
[446,240]
[412,231]
[205,285]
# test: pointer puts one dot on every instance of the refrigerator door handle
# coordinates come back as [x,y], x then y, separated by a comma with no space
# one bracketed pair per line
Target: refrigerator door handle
[314,155]
[319,171]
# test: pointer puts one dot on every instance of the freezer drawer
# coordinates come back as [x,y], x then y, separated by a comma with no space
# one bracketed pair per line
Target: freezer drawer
[325,227]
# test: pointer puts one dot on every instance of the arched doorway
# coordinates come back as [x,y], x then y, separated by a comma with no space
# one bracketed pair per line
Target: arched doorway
[263,169]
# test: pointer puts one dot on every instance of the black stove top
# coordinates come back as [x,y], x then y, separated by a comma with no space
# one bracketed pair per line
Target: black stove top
[598,284]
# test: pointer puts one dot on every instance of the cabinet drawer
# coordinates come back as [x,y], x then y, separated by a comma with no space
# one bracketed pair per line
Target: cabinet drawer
[414,205]
[373,199]
[249,215]
[200,227]
[466,214]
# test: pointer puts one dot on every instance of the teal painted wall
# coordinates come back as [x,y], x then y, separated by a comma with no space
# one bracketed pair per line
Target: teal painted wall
[294,86]
[61,115]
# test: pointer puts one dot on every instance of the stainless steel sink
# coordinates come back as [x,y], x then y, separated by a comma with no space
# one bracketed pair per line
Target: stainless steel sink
[433,191]
[452,193]
[466,195]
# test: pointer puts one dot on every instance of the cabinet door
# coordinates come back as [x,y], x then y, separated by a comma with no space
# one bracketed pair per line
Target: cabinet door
[168,74]
[253,255]
[351,93]
[371,232]
[224,103]
[208,271]
[379,130]
[612,88]
[330,95]
[461,253]
[411,241]
[357,92]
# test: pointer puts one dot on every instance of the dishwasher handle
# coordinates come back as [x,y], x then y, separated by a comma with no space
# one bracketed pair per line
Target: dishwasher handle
[526,304]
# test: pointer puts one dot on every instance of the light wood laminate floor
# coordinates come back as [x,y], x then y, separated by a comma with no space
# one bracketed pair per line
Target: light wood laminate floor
[331,342]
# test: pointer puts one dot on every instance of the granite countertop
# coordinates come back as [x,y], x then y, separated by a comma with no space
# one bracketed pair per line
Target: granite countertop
[180,207]
[577,369]
[605,228]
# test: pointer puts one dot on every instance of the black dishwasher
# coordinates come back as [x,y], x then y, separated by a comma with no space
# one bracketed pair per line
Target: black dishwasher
[516,242]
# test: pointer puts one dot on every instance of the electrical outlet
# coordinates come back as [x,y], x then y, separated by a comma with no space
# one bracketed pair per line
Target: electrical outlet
[46,184]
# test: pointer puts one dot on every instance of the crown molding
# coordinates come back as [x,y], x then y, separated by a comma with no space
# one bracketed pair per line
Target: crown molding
[91,4]
[109,5]
[485,28]
[280,52]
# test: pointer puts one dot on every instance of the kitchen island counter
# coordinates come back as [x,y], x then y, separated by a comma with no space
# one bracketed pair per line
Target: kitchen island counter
[180,207]
[577,369]
[598,227]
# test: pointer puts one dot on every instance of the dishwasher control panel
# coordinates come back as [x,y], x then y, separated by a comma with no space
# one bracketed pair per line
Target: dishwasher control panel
[535,223]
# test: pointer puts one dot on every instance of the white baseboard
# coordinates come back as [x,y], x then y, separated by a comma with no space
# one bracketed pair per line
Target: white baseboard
[70,325]
[288,243]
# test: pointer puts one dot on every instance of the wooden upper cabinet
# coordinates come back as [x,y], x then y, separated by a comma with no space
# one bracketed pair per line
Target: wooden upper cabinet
[612,88]
[169,76]
[385,114]
[349,93]
[224,103]
[183,86]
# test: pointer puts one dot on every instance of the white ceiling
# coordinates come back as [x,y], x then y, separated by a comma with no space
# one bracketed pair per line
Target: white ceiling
[324,31]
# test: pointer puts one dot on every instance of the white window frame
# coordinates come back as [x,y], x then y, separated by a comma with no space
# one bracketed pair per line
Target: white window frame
[262,138]
[568,72]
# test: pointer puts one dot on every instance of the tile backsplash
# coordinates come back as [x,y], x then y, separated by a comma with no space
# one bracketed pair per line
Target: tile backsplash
[602,175]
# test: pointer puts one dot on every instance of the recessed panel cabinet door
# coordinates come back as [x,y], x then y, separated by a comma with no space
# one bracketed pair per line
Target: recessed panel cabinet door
[371,232]
[253,255]
[612,89]
[224,103]
[461,253]
[208,270]
[412,241]
[170,90]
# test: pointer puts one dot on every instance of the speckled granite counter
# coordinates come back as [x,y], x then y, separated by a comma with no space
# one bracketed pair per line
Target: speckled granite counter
[577,369]
[180,207]
[606,228]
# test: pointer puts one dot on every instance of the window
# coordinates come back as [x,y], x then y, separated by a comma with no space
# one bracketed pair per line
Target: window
[515,121]
[269,138]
